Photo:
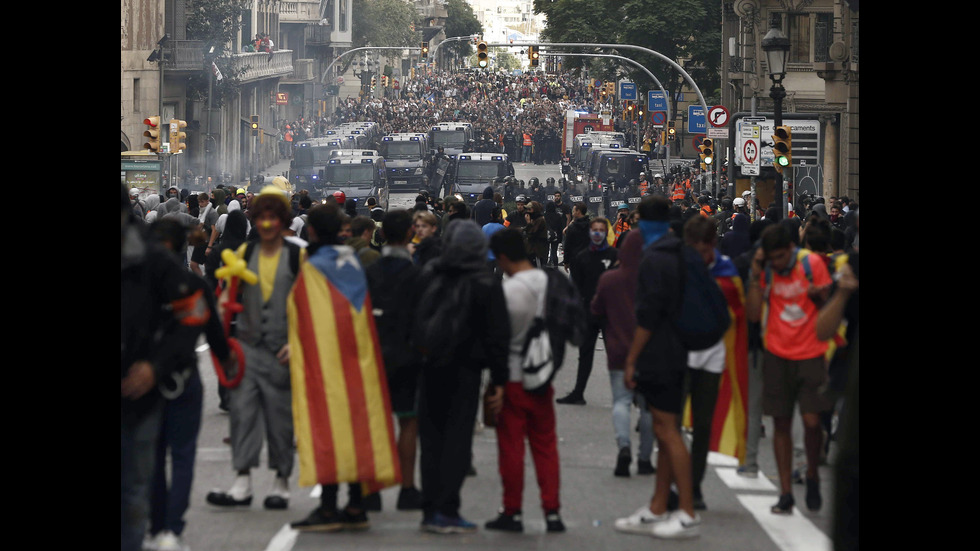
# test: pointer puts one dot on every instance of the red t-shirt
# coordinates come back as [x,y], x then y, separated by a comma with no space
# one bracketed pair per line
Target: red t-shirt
[790,330]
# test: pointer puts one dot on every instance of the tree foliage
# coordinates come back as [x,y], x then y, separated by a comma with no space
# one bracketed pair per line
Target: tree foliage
[460,21]
[384,23]
[678,29]
[216,23]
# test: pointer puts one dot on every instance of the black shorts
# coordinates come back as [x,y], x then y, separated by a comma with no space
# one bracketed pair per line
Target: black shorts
[666,393]
[403,387]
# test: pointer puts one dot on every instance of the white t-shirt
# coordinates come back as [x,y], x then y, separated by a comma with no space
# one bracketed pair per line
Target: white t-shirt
[521,292]
[711,359]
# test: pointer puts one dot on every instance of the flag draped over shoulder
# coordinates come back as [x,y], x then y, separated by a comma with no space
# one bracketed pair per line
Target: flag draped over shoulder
[730,422]
[729,426]
[341,408]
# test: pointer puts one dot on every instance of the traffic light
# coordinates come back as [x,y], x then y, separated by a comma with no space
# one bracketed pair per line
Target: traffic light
[177,137]
[533,55]
[671,132]
[384,81]
[425,51]
[374,82]
[255,125]
[782,148]
[482,57]
[707,152]
[152,133]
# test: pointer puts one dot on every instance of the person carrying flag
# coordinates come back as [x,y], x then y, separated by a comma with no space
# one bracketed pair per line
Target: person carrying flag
[341,404]
[717,377]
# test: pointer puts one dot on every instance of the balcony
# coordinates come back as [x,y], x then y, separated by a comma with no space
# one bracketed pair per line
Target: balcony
[299,11]
[185,55]
[258,66]
[302,71]
[317,35]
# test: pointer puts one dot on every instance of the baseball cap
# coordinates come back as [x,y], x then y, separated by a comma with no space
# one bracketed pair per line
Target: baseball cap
[623,206]
[746,193]
[520,199]
[133,192]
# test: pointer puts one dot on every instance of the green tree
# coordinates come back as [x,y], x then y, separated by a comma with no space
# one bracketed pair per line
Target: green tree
[687,30]
[216,23]
[460,21]
[383,23]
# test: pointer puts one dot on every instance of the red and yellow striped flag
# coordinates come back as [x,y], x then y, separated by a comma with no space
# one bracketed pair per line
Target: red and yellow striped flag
[730,422]
[729,426]
[341,408]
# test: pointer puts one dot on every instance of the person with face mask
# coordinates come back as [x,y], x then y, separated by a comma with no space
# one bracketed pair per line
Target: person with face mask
[586,267]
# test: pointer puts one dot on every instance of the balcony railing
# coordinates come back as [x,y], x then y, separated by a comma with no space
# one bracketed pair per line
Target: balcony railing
[317,34]
[258,65]
[186,55]
[299,11]
[302,70]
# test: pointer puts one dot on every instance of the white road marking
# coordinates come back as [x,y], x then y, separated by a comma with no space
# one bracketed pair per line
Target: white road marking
[736,482]
[284,540]
[790,532]
[721,460]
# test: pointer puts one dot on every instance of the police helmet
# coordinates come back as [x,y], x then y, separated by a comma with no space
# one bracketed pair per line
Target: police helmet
[550,181]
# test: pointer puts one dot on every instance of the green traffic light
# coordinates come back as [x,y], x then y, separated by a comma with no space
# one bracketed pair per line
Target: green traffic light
[783,161]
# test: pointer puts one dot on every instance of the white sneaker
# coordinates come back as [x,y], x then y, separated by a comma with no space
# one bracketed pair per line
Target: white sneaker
[168,541]
[241,488]
[640,522]
[150,542]
[680,525]
[280,487]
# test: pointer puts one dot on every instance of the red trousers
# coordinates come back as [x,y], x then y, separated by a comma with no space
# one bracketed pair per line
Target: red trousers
[531,416]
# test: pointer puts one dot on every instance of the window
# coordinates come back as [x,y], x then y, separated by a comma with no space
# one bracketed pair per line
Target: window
[136,95]
[798,31]
[343,14]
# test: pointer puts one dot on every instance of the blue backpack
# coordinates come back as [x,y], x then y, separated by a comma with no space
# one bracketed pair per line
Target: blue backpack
[703,317]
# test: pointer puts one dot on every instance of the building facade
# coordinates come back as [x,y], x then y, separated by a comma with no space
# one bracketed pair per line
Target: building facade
[160,64]
[821,78]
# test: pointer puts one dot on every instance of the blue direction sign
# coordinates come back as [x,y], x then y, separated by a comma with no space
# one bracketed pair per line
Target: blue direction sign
[696,122]
[656,101]
[627,91]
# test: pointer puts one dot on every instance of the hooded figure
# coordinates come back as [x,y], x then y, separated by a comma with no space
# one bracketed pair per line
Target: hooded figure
[462,322]
[820,210]
[350,208]
[235,230]
[219,201]
[172,210]
[152,203]
[614,301]
[736,241]
[483,208]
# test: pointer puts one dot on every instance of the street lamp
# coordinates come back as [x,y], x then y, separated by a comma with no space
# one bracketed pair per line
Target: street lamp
[776,46]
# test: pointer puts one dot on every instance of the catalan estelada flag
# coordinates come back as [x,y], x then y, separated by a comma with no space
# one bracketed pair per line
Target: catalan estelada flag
[341,408]
[730,423]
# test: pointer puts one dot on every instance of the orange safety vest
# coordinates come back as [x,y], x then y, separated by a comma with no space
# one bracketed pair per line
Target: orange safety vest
[677,193]
[643,187]
[527,139]
[706,211]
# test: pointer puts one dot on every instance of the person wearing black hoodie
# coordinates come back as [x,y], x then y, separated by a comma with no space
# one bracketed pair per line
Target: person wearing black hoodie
[556,225]
[482,209]
[576,234]
[587,266]
[451,373]
[736,241]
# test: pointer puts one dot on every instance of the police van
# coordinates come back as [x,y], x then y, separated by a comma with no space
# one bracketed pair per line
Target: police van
[407,157]
[475,171]
[309,157]
[358,176]
[453,137]
[584,144]
[620,165]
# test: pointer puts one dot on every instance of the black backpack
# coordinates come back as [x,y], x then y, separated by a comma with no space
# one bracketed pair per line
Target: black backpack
[703,317]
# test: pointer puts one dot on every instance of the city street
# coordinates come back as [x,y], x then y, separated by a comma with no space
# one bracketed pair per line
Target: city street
[737,516]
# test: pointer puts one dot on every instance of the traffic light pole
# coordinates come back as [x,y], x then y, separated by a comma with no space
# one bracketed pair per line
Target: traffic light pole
[323,78]
[777,93]
[633,62]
